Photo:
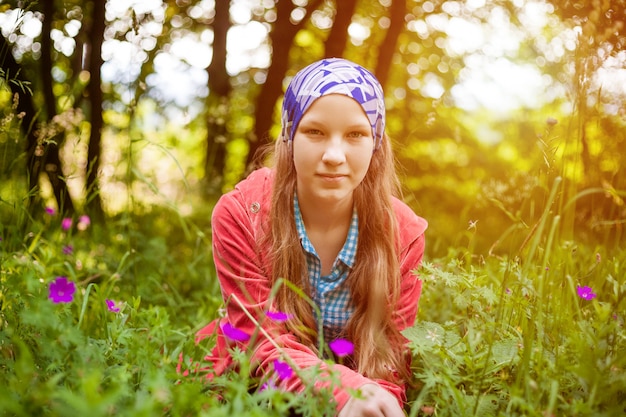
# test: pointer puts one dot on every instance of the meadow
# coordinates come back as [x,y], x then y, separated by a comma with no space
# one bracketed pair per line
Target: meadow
[98,316]
[94,319]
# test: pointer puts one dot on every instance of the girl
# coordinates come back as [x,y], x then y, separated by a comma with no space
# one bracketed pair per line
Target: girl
[320,240]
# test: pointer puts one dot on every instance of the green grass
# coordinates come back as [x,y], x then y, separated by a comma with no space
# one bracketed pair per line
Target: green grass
[496,340]
[500,336]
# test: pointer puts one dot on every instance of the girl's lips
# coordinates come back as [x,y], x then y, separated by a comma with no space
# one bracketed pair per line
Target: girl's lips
[332,177]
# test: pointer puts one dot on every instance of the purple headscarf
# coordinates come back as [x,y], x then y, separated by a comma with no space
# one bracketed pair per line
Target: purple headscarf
[333,76]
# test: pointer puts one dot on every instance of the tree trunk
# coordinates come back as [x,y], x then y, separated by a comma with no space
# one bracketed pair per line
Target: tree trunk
[336,42]
[94,200]
[217,102]
[52,162]
[281,39]
[387,48]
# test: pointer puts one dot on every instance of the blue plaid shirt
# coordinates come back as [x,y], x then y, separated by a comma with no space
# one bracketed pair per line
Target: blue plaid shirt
[330,292]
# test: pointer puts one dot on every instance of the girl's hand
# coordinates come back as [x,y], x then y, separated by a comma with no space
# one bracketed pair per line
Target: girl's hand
[375,401]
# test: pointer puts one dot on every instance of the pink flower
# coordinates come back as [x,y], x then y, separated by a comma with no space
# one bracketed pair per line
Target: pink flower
[586,293]
[68,249]
[341,347]
[283,370]
[61,290]
[83,222]
[51,211]
[66,223]
[428,410]
[234,333]
[112,306]
[278,316]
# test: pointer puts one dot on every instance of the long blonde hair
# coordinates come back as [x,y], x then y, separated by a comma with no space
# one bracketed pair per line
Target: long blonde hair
[374,282]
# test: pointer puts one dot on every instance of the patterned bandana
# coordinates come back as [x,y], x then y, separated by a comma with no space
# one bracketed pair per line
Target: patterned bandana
[333,76]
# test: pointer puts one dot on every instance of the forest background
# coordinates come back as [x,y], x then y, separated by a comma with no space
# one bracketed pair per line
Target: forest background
[508,119]
[132,105]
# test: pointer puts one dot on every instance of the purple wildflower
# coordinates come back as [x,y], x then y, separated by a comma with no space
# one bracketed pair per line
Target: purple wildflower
[283,370]
[51,211]
[68,249]
[66,223]
[61,290]
[278,316]
[234,333]
[586,293]
[112,306]
[341,347]
[270,384]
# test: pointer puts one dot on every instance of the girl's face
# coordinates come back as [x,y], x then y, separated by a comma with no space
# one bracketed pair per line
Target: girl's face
[332,150]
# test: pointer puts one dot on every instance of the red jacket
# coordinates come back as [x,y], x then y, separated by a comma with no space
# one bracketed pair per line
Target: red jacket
[243,271]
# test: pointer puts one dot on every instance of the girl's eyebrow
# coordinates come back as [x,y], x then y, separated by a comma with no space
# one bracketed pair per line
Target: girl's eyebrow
[320,122]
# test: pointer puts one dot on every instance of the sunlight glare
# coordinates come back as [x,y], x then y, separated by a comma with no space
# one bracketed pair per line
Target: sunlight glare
[9,21]
[499,85]
[358,32]
[535,15]
[119,7]
[246,46]
[464,36]
[475,4]
[72,27]
[196,53]
[298,14]
[610,80]
[62,43]
[31,26]
[177,82]
[240,12]
[490,79]
[432,87]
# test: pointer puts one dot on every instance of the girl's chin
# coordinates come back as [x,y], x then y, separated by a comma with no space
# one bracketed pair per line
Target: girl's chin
[333,196]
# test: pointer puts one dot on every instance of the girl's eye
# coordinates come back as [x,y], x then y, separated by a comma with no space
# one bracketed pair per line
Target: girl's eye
[356,135]
[313,132]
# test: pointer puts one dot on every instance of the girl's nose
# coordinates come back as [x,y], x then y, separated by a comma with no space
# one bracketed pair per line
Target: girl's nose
[334,154]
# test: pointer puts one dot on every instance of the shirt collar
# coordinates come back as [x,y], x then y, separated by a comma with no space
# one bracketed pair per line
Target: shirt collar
[347,255]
